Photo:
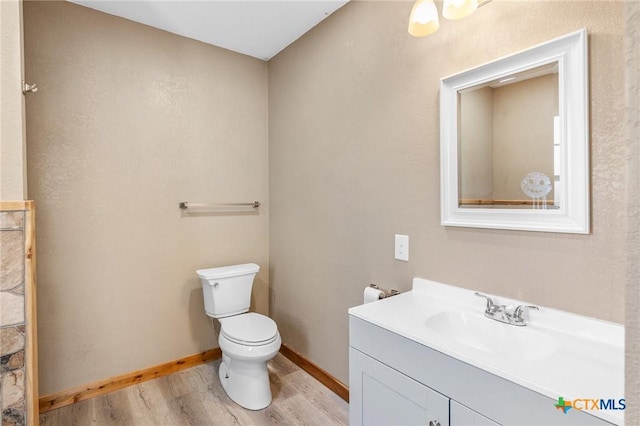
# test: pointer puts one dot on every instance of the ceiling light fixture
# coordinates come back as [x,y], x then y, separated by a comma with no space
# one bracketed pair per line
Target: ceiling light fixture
[424,18]
[424,15]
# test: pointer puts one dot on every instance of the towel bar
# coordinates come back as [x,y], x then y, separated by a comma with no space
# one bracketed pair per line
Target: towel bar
[187,205]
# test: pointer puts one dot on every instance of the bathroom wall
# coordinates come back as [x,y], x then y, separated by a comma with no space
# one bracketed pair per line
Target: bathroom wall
[354,158]
[632,126]
[128,122]
[12,160]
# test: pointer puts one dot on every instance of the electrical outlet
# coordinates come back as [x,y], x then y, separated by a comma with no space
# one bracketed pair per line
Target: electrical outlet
[402,247]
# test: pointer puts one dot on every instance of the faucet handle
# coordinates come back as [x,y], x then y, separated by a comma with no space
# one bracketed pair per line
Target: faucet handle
[491,304]
[519,311]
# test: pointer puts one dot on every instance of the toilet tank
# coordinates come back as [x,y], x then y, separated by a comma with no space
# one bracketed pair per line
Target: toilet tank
[227,289]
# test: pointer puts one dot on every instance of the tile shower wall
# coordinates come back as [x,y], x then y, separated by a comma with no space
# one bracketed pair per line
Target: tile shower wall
[12,318]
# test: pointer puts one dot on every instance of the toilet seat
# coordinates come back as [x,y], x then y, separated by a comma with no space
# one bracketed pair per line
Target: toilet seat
[250,329]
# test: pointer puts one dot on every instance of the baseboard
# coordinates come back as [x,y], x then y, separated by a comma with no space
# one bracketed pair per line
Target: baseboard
[318,373]
[81,393]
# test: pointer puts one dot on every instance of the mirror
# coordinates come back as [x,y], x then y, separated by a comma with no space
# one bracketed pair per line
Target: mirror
[514,141]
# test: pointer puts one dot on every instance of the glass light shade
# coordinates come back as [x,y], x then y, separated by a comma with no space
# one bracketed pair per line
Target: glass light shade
[423,19]
[458,9]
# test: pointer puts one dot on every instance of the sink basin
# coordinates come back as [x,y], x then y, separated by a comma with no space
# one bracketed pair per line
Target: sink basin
[493,337]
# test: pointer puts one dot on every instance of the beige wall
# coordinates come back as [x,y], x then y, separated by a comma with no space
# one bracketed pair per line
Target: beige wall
[632,306]
[128,122]
[12,158]
[354,158]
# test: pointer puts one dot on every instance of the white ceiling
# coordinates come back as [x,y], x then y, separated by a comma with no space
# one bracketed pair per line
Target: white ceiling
[258,28]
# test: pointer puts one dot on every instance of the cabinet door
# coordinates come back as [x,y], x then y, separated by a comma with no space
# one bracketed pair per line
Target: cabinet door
[463,416]
[381,396]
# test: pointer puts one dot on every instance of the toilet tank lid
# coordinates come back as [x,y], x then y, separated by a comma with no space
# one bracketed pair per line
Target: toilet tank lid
[228,271]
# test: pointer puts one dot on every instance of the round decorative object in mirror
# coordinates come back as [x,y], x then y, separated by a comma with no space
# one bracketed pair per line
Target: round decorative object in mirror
[537,185]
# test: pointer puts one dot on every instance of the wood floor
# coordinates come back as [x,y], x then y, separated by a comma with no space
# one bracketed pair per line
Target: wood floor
[195,397]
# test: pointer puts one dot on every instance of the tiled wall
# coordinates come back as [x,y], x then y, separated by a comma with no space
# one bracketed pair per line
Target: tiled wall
[12,318]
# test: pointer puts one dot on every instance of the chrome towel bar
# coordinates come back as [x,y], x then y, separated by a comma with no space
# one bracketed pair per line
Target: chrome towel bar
[187,205]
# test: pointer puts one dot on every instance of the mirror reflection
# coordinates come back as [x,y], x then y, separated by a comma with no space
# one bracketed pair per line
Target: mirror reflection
[509,142]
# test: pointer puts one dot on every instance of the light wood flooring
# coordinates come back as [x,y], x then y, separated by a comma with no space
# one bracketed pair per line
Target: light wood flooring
[195,397]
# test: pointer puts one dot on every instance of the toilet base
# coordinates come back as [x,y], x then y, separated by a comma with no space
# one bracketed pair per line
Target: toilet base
[246,383]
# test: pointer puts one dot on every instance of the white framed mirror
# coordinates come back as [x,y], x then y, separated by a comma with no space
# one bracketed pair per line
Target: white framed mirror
[514,141]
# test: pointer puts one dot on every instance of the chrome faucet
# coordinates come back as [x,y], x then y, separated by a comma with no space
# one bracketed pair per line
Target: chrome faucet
[491,305]
[501,313]
[518,314]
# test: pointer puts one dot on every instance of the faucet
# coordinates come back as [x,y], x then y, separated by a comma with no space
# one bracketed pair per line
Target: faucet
[518,314]
[491,304]
[501,313]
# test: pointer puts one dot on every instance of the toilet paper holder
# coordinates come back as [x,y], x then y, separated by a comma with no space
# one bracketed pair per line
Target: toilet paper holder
[387,293]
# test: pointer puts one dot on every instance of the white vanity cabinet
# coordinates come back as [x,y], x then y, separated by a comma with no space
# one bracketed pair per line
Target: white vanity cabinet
[395,380]
[461,415]
[379,396]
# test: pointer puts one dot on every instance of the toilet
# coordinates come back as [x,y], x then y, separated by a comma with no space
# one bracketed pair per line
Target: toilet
[248,340]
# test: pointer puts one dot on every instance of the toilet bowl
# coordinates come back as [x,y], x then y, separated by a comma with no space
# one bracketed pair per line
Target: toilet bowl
[247,340]
[243,371]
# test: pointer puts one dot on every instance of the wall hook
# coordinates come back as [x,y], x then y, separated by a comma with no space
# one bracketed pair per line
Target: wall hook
[29,88]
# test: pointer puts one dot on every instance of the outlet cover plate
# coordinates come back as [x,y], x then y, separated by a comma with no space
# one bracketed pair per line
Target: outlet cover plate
[402,247]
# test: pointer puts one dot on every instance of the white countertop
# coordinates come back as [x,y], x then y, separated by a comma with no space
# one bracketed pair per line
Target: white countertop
[558,354]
